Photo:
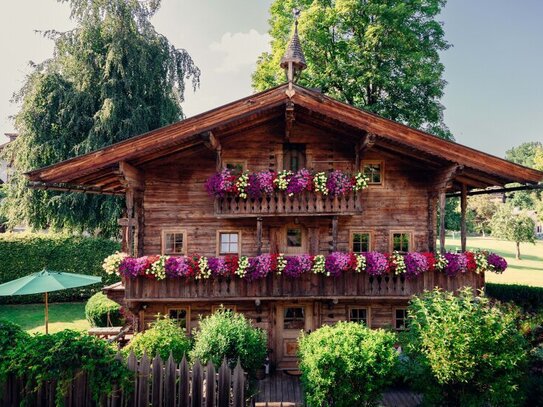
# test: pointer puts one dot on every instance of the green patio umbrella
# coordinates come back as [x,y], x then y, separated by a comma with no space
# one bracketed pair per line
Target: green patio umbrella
[46,281]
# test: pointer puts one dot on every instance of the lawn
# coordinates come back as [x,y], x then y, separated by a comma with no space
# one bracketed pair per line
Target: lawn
[528,271]
[30,317]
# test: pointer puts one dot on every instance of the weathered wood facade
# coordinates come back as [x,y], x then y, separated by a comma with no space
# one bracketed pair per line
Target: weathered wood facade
[162,174]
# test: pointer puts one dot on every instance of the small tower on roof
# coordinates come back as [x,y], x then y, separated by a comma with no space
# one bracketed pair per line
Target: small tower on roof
[293,62]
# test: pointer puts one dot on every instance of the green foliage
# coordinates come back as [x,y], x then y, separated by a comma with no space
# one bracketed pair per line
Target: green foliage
[99,309]
[23,254]
[10,336]
[111,78]
[346,364]
[524,154]
[378,55]
[60,356]
[226,334]
[481,208]
[527,297]
[465,351]
[515,227]
[164,337]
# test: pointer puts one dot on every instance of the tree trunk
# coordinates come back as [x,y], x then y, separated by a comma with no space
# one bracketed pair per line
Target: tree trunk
[518,250]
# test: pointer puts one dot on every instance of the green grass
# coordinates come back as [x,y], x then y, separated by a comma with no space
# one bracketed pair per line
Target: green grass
[31,317]
[528,271]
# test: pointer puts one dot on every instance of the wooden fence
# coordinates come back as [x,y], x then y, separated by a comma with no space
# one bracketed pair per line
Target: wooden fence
[156,383]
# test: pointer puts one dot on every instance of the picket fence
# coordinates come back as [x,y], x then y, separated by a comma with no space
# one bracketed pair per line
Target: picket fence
[156,383]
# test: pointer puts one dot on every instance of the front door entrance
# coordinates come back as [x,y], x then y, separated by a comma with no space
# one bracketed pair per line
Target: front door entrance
[292,319]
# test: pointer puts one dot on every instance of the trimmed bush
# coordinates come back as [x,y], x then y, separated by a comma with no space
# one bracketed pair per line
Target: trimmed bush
[60,357]
[99,308]
[226,334]
[464,351]
[163,337]
[346,364]
[27,253]
[10,336]
[527,297]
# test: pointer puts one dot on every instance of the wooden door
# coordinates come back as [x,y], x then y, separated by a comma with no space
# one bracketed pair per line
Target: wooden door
[292,319]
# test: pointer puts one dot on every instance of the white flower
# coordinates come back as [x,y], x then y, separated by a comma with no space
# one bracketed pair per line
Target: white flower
[111,263]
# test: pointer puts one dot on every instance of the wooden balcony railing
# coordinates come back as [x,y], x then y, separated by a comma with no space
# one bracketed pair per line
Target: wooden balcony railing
[348,285]
[279,203]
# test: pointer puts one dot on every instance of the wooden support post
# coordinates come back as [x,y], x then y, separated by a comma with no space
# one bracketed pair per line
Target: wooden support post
[259,236]
[139,217]
[334,233]
[442,203]
[463,226]
[46,313]
[130,229]
[432,221]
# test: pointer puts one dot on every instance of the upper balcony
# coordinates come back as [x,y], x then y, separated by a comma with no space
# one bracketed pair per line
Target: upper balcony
[278,203]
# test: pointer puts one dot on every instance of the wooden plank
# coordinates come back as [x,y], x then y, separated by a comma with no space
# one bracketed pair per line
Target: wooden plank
[184,384]
[442,208]
[463,225]
[224,385]
[157,389]
[142,399]
[211,386]
[197,382]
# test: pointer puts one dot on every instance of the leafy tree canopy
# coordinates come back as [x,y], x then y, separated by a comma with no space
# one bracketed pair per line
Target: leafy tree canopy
[529,154]
[112,77]
[524,154]
[379,55]
[515,227]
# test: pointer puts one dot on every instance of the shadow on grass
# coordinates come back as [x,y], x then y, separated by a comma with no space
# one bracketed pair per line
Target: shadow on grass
[32,316]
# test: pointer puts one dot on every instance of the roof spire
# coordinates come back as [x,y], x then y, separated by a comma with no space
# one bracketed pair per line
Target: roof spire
[293,62]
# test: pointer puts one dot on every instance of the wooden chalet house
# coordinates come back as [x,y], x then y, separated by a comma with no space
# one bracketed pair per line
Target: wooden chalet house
[163,174]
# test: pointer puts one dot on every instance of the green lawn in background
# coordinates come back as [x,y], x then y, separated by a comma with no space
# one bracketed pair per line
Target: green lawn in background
[528,271]
[31,317]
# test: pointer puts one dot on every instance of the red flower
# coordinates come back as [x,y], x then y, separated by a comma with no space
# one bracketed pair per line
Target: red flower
[232,264]
[352,261]
[431,259]
[472,265]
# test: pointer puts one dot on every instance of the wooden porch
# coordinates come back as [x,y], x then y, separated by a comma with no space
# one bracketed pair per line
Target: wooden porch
[285,390]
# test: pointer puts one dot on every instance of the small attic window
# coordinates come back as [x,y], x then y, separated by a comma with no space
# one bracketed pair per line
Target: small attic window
[293,156]
[374,171]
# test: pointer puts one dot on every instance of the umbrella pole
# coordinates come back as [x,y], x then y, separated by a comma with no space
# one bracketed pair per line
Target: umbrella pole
[46,315]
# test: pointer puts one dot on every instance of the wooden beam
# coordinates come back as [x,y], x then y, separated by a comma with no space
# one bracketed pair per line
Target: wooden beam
[289,119]
[259,236]
[445,178]
[463,226]
[442,203]
[132,176]
[334,233]
[534,187]
[46,186]
[432,220]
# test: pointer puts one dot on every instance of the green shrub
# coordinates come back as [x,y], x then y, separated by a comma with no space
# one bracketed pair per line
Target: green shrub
[230,335]
[527,297]
[27,253]
[60,356]
[10,336]
[163,337]
[99,308]
[346,364]
[465,351]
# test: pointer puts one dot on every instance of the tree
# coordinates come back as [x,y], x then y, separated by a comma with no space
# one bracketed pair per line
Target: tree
[378,55]
[529,154]
[482,208]
[524,154]
[515,227]
[110,78]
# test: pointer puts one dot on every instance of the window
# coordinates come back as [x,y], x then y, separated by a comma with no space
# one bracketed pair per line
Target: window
[237,167]
[180,316]
[174,242]
[229,242]
[294,318]
[400,318]
[226,307]
[401,241]
[293,156]
[294,237]
[374,171]
[359,315]
[360,242]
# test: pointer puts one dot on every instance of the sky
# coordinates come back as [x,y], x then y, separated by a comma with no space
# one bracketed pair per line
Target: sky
[493,100]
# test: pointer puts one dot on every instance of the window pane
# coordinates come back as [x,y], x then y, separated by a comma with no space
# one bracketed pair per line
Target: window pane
[229,243]
[358,315]
[400,242]
[294,237]
[180,316]
[173,243]
[401,318]
[373,172]
[294,318]
[235,167]
[361,242]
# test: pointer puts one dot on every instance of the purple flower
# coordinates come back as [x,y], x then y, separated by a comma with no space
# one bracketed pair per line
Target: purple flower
[177,267]
[259,266]
[297,265]
[456,263]
[337,262]
[218,266]
[299,182]
[415,264]
[260,183]
[220,184]
[498,263]
[132,267]
[339,183]
[376,263]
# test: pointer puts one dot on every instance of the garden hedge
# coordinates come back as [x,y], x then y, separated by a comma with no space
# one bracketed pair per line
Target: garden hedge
[527,297]
[23,254]
[100,310]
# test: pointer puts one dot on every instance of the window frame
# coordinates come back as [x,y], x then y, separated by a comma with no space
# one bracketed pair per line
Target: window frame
[291,249]
[177,231]
[395,319]
[227,307]
[235,161]
[218,240]
[360,231]
[185,308]
[409,240]
[368,314]
[382,164]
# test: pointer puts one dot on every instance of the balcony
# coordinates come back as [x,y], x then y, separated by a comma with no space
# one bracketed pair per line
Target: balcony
[275,287]
[279,203]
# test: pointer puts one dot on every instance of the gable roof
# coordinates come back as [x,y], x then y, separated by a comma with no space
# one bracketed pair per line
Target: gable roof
[99,170]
